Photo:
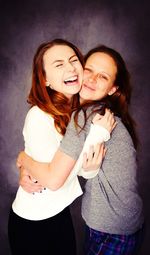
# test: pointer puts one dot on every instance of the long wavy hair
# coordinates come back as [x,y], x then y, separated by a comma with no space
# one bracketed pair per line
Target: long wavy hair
[48,100]
[118,102]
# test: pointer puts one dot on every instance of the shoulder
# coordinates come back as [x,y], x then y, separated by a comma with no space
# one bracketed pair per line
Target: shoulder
[120,130]
[36,114]
[36,119]
[120,137]
[35,111]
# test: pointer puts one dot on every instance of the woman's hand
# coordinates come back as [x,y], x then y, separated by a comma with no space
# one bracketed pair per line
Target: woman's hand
[28,183]
[107,121]
[94,158]
[23,160]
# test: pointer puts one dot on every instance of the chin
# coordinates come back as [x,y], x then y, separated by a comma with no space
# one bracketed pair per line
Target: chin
[85,97]
[74,91]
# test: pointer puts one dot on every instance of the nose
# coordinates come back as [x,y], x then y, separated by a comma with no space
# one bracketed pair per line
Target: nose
[93,78]
[70,67]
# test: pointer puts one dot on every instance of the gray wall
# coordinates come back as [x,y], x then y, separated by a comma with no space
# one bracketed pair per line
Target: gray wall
[123,25]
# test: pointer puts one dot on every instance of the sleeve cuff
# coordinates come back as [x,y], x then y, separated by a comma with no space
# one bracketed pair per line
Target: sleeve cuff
[88,174]
[99,133]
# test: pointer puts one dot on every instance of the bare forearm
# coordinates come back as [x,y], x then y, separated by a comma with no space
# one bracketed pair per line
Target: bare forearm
[51,175]
[39,171]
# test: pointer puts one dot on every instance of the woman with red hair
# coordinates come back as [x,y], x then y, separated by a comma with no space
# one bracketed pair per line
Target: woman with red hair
[42,219]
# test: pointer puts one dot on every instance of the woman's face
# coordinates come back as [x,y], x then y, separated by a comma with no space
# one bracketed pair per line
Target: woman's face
[63,69]
[99,77]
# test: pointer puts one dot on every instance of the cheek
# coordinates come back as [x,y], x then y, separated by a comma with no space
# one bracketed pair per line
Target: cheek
[80,72]
[101,93]
[80,68]
[105,88]
[56,78]
[85,77]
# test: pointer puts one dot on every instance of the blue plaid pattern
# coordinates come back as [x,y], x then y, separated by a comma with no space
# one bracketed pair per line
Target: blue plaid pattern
[99,243]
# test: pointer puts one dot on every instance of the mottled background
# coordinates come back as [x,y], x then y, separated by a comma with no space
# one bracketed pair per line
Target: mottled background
[123,25]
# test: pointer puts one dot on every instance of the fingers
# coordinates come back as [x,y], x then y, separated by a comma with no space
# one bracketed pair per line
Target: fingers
[107,121]
[102,153]
[19,159]
[109,115]
[30,186]
[98,150]
[84,160]
[111,121]
[94,158]
[18,164]
[114,125]
[28,183]
[90,153]
[96,118]
[23,171]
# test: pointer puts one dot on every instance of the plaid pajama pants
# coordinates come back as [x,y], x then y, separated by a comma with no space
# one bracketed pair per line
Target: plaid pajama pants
[100,243]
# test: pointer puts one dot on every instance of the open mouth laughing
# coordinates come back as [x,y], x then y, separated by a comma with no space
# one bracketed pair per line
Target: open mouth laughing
[73,80]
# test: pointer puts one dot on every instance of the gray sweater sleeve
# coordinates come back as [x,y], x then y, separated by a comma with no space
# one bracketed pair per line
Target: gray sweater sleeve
[96,134]
[73,140]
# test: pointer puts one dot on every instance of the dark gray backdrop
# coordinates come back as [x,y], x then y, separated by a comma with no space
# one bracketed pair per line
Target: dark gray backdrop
[123,25]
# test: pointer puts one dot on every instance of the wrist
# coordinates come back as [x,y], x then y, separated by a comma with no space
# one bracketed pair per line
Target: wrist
[100,133]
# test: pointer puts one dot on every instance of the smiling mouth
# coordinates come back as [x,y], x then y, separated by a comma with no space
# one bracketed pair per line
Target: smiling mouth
[87,87]
[71,80]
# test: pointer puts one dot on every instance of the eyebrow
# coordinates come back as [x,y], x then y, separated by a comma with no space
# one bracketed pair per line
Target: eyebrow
[91,70]
[87,68]
[61,60]
[73,56]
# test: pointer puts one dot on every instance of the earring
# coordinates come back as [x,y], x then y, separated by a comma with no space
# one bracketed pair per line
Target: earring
[50,86]
[47,84]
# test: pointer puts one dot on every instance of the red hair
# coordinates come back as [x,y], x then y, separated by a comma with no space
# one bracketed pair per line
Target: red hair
[48,100]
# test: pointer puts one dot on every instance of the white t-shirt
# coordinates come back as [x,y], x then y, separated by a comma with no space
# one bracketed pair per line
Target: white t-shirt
[41,142]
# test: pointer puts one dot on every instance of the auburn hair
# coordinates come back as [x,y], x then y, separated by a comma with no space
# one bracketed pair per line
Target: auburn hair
[119,102]
[48,100]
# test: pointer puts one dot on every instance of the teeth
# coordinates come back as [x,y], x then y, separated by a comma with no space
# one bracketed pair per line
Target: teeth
[74,78]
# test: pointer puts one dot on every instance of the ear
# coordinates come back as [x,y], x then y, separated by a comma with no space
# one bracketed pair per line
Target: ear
[112,90]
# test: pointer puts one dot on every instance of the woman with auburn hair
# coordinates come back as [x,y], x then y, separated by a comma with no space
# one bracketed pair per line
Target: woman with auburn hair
[111,205]
[42,219]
